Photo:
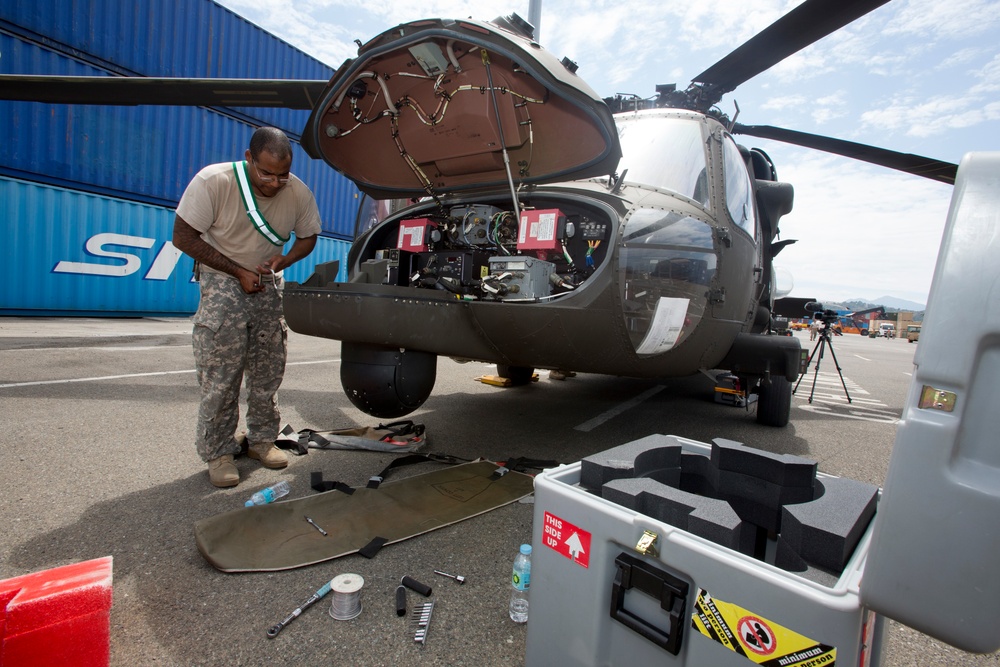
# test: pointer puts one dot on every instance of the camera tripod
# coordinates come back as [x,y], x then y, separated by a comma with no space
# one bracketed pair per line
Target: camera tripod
[821,344]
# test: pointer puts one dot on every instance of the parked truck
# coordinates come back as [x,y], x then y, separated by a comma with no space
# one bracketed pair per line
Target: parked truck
[882,329]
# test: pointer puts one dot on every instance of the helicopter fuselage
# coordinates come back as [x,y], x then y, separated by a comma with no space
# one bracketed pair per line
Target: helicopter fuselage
[654,273]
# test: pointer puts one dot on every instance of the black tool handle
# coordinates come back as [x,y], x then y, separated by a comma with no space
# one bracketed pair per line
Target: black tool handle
[400,601]
[415,585]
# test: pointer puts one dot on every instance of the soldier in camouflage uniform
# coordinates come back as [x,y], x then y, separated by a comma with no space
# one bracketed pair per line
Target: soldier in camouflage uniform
[234,219]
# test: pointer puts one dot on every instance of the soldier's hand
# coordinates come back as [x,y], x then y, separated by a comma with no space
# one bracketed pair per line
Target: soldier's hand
[250,282]
[274,264]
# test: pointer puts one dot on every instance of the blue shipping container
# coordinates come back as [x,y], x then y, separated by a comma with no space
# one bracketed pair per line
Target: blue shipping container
[146,154]
[84,254]
[181,38]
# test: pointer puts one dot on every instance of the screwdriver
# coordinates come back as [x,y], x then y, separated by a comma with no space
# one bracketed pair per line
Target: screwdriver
[457,577]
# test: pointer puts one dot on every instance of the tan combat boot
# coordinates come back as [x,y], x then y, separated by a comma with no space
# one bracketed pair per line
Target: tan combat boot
[268,455]
[222,471]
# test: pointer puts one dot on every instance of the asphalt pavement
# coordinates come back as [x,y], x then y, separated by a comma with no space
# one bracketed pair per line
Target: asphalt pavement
[98,460]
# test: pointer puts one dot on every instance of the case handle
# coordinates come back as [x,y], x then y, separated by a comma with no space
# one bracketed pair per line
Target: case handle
[660,585]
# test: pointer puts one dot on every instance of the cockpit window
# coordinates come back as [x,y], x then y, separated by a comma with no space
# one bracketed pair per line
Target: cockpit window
[665,153]
[739,190]
[666,267]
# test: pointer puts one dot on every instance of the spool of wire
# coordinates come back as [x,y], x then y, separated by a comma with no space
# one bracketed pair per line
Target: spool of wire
[346,589]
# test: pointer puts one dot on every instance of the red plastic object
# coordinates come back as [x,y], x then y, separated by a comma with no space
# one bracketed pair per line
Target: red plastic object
[540,229]
[57,617]
[415,234]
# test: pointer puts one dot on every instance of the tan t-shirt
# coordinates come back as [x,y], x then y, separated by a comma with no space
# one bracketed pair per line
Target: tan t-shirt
[212,205]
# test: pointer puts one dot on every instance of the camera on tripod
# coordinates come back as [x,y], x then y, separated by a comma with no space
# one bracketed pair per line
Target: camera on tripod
[827,316]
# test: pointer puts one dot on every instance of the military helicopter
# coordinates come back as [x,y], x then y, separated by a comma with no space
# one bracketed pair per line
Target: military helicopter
[527,245]
[545,226]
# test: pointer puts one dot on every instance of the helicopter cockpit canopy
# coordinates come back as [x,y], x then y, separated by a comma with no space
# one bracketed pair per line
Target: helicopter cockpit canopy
[666,150]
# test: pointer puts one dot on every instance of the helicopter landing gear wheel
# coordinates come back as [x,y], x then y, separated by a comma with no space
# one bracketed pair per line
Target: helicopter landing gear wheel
[774,402]
[517,375]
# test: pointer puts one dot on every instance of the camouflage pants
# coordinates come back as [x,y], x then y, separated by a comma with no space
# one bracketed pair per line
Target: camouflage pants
[236,335]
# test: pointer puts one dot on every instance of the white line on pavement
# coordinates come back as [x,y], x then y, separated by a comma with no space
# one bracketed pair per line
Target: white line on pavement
[138,375]
[591,424]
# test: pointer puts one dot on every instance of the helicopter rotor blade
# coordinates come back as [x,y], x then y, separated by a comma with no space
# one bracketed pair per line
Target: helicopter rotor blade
[131,91]
[916,165]
[804,25]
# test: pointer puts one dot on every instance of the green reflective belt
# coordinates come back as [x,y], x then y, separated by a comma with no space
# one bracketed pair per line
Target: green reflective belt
[250,203]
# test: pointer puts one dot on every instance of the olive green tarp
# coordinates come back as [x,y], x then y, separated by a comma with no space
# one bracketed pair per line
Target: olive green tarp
[277,536]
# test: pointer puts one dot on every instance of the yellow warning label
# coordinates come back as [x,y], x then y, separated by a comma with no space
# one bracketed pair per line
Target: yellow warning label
[756,638]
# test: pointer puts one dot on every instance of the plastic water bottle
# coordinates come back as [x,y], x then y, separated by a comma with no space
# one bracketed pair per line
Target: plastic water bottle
[520,581]
[269,495]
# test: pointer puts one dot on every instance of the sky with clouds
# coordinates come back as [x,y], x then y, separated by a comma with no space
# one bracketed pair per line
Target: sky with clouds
[915,76]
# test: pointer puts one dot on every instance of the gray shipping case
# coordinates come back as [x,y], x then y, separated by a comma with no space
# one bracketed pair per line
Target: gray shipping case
[597,600]
[928,559]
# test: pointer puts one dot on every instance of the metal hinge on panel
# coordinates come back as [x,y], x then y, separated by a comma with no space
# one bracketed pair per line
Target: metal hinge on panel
[937,399]
[717,295]
[724,236]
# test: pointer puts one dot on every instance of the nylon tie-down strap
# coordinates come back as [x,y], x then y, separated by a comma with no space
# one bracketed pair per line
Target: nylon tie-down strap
[372,548]
[375,480]
[399,436]
[522,464]
[317,483]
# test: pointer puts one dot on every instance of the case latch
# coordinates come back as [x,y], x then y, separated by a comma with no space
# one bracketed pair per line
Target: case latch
[647,544]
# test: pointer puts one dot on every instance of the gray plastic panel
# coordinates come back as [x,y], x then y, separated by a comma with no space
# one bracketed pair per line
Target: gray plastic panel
[933,560]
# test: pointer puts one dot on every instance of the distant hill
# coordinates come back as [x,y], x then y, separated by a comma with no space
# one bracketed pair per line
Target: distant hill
[889,302]
[901,304]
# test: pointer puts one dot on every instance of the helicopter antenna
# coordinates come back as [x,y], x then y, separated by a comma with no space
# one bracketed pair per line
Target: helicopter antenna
[535,17]
[732,122]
